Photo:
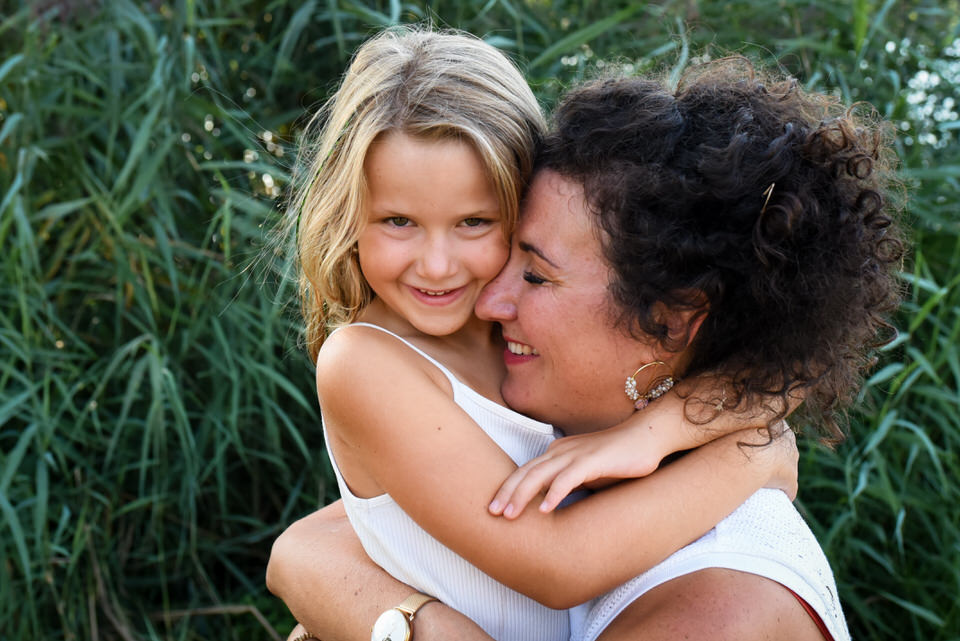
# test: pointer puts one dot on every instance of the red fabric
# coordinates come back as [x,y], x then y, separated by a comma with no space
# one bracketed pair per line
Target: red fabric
[813,615]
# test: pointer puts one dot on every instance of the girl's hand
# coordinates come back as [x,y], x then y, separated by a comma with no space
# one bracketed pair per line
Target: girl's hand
[596,459]
[776,453]
[785,457]
[630,450]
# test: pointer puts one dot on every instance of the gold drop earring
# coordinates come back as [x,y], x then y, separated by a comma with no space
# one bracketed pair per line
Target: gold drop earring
[657,388]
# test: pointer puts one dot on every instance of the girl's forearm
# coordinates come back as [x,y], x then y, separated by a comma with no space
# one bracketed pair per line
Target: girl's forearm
[568,565]
[695,413]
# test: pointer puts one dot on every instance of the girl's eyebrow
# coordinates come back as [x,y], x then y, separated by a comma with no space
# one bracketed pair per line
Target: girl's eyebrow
[527,247]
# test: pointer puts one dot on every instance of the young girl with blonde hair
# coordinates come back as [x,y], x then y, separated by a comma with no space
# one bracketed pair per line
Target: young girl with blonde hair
[404,214]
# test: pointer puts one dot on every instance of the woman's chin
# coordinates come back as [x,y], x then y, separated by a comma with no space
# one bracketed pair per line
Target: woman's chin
[519,399]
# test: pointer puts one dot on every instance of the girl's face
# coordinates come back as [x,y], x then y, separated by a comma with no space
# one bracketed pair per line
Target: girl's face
[566,360]
[433,235]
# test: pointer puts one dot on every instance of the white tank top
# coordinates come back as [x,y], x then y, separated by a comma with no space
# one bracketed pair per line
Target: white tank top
[401,547]
[764,536]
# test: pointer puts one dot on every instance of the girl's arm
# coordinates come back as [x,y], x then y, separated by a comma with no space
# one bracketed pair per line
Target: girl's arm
[384,408]
[319,569]
[632,449]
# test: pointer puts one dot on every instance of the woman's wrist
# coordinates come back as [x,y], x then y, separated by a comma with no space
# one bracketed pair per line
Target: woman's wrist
[437,621]
[331,586]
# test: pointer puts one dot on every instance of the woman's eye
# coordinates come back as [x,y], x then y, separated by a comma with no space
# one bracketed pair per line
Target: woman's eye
[474,222]
[533,279]
[398,221]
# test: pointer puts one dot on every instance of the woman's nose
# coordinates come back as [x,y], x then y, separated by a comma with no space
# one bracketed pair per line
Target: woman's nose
[497,299]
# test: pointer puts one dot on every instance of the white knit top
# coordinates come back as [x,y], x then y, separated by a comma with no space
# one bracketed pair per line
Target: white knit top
[405,550]
[765,536]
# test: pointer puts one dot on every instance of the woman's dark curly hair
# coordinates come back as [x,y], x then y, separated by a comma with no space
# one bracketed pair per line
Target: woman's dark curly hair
[769,204]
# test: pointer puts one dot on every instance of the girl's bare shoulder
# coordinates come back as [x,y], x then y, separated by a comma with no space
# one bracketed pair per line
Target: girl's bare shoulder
[365,360]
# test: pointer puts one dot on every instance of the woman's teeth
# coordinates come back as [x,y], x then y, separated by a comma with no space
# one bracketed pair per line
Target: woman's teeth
[430,292]
[521,350]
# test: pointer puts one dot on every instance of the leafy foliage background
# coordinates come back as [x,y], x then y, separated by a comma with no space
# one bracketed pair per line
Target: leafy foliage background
[157,421]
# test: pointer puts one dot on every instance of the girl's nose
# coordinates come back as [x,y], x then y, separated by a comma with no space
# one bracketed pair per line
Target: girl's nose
[437,261]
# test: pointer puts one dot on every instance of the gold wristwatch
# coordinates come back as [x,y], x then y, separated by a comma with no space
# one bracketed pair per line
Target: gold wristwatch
[396,624]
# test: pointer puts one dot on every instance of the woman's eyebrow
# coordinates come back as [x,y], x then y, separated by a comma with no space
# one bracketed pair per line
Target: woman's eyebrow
[527,247]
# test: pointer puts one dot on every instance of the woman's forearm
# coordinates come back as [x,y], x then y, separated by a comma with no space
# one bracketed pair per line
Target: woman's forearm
[319,569]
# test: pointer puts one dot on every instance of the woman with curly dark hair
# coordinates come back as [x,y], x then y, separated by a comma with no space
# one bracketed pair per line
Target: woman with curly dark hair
[760,210]
[737,228]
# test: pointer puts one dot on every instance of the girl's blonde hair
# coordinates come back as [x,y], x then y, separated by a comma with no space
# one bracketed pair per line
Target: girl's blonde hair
[427,84]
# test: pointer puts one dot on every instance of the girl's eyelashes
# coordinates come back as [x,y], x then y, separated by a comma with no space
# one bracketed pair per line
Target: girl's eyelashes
[404,221]
[533,279]
[478,221]
[398,221]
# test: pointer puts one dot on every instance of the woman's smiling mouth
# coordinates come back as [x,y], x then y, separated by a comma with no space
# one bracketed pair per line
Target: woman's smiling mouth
[520,349]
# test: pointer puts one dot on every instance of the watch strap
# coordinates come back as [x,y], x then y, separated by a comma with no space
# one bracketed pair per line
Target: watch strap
[413,603]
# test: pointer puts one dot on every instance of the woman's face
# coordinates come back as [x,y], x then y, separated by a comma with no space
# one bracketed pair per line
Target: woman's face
[566,360]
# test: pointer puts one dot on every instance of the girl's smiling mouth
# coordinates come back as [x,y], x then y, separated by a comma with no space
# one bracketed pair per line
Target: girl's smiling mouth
[436,296]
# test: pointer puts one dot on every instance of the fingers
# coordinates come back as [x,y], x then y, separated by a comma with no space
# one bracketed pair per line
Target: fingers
[561,469]
[790,440]
[786,452]
[563,484]
[566,465]
[524,484]
[501,500]
[792,491]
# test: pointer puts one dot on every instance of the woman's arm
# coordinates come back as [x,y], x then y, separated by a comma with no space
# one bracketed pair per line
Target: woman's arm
[382,407]
[319,569]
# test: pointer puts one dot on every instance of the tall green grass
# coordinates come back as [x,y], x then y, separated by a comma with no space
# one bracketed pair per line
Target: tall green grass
[157,423]
[156,412]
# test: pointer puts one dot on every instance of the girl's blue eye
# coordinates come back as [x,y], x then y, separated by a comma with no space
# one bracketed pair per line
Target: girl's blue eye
[398,221]
[533,279]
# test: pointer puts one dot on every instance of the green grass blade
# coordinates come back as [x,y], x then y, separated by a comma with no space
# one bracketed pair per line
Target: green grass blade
[19,540]
[583,35]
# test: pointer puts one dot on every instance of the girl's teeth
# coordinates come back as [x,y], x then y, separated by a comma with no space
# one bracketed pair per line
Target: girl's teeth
[432,293]
[521,350]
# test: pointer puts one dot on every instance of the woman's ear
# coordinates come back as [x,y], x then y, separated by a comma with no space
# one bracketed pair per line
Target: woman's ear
[682,322]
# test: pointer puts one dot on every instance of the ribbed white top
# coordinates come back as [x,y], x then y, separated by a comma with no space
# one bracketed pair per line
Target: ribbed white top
[764,536]
[405,550]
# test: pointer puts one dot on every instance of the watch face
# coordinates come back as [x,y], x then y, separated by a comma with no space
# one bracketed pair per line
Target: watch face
[392,625]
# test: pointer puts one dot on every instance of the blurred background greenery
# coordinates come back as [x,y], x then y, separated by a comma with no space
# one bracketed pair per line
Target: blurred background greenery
[157,420]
